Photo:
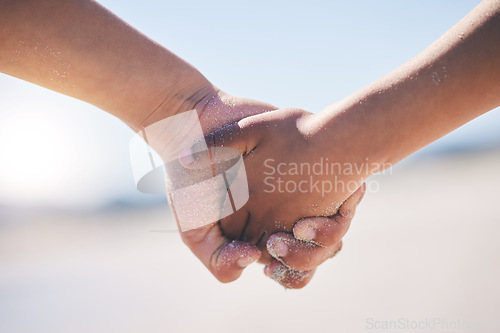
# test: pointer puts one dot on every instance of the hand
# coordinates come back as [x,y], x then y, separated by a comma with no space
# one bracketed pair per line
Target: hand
[261,140]
[224,257]
[314,240]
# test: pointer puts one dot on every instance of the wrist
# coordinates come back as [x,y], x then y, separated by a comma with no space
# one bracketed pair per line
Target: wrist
[345,132]
[156,103]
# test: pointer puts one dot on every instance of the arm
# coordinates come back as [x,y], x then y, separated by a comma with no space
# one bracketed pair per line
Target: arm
[453,81]
[80,49]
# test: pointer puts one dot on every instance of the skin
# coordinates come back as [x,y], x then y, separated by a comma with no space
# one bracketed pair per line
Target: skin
[453,81]
[80,49]
[282,135]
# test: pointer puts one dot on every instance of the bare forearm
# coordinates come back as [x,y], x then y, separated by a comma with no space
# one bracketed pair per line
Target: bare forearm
[80,49]
[453,81]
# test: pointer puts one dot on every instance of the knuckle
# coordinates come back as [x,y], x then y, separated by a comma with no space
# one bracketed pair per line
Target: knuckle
[300,266]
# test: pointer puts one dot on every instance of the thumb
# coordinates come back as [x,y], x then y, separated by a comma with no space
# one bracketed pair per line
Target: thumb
[220,146]
[349,206]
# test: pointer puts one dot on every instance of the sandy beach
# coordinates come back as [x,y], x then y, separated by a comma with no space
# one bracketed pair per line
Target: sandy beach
[421,255]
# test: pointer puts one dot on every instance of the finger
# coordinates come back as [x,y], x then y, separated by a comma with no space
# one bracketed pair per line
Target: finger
[234,226]
[323,231]
[288,278]
[213,148]
[299,255]
[349,206]
[328,231]
[223,258]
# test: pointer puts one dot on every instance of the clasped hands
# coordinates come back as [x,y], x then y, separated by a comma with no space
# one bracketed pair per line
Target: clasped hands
[290,231]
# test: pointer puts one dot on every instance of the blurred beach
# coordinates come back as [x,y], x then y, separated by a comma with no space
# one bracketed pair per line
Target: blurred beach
[421,254]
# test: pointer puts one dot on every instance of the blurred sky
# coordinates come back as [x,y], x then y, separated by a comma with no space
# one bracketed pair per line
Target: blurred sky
[57,151]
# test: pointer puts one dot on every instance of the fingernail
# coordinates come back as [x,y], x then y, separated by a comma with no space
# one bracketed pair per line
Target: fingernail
[280,248]
[246,261]
[186,157]
[267,270]
[306,234]
[361,196]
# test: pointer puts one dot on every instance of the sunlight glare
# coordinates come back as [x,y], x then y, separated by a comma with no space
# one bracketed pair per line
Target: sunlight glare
[35,156]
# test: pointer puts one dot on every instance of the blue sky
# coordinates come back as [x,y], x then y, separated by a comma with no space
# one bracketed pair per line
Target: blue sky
[304,54]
